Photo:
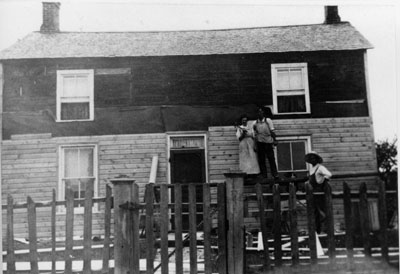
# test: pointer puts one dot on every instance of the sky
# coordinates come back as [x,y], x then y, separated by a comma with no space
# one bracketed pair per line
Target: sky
[376,20]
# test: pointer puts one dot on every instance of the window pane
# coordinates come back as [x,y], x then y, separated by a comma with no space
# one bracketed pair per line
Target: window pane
[298,153]
[283,152]
[68,86]
[287,104]
[296,79]
[71,163]
[282,79]
[82,88]
[86,162]
[75,111]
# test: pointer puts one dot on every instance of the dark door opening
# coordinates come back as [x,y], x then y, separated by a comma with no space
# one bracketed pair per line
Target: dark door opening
[188,166]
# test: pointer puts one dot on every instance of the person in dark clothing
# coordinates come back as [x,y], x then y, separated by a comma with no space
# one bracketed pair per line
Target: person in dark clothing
[319,177]
[265,139]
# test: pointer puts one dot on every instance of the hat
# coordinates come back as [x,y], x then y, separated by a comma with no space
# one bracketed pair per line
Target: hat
[313,154]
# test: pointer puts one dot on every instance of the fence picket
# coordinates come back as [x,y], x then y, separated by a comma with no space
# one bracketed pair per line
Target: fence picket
[107,230]
[330,225]
[192,229]
[87,228]
[149,200]
[263,223]
[69,227]
[311,223]
[32,235]
[164,218]
[135,230]
[348,218]
[222,237]
[207,228]
[53,232]
[383,220]
[10,236]
[178,229]
[293,224]
[277,226]
[364,220]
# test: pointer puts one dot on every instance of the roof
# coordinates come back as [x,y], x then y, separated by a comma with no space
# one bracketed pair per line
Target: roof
[318,37]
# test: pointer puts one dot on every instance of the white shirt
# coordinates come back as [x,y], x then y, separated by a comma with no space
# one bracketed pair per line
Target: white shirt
[322,173]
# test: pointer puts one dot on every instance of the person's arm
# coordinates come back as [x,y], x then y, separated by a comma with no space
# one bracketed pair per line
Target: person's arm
[239,134]
[324,172]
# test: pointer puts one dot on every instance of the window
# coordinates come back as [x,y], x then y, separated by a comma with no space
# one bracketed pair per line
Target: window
[290,88]
[290,154]
[78,167]
[75,95]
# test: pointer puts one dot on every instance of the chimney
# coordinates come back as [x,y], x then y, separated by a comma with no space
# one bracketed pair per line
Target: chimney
[51,18]
[331,15]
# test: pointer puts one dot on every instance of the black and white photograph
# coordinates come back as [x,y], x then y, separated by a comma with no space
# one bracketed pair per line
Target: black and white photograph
[216,136]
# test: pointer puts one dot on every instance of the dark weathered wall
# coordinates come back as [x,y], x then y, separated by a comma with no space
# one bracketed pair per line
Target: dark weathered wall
[218,80]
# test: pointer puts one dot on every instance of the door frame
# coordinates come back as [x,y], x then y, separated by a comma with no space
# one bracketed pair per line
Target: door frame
[187,134]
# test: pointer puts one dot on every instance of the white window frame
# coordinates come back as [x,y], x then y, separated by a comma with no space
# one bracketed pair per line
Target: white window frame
[60,78]
[307,140]
[61,186]
[174,135]
[306,92]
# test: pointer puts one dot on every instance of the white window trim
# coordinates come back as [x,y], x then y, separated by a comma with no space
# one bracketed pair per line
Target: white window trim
[306,92]
[60,76]
[307,139]
[60,186]
[172,135]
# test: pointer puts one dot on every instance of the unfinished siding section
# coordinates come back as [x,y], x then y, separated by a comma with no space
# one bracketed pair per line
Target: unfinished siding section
[30,167]
[345,144]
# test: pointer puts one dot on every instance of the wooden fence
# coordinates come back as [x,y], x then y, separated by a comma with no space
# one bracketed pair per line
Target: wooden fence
[148,224]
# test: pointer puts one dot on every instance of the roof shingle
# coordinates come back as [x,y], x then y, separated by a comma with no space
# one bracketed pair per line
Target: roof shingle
[318,37]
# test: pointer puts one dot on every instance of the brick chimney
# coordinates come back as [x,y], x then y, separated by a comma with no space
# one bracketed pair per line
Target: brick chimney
[331,15]
[51,17]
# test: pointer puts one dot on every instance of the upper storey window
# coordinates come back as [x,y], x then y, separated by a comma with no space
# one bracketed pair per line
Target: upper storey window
[290,88]
[75,95]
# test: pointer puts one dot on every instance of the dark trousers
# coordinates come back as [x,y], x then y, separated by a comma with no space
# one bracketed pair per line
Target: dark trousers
[265,150]
[320,207]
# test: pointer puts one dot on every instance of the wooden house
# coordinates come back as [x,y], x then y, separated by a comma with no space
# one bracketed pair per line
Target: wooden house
[88,107]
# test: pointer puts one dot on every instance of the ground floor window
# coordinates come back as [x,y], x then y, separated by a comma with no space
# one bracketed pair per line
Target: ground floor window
[78,167]
[290,154]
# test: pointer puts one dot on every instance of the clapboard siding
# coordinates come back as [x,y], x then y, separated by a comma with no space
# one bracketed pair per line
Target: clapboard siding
[30,167]
[346,145]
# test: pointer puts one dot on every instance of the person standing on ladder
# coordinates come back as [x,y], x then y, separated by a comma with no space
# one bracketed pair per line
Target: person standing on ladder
[266,140]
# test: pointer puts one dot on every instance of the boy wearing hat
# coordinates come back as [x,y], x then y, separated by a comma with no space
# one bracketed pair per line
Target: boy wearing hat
[319,176]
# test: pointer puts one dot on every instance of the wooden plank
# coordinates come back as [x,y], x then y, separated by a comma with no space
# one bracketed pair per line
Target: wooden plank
[33,256]
[311,223]
[364,220]
[263,224]
[207,228]
[192,229]
[383,220]
[107,229]
[149,200]
[330,224]
[112,71]
[164,219]
[69,227]
[10,236]
[222,237]
[348,218]
[294,235]
[53,232]
[178,229]
[135,230]
[277,226]
[87,228]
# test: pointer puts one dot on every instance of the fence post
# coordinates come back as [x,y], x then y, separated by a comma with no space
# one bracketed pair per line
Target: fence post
[124,193]
[234,202]
[364,220]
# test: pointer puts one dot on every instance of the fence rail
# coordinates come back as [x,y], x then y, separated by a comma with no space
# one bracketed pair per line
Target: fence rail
[157,224]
